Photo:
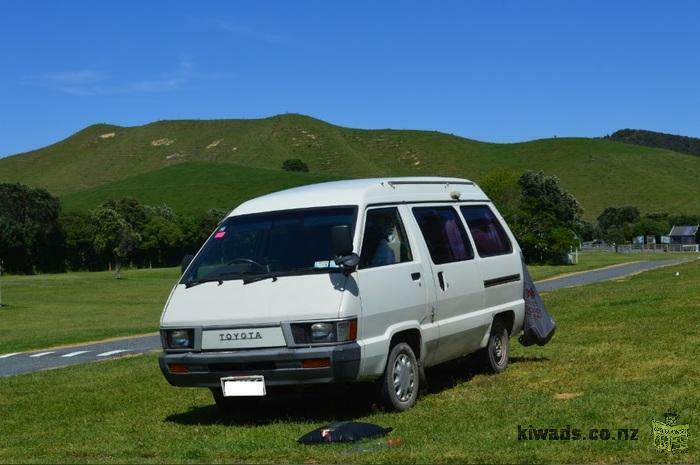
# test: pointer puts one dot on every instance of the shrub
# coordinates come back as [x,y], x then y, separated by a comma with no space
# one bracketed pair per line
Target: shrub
[295,164]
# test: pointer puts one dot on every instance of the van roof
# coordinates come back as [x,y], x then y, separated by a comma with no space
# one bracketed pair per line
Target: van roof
[363,192]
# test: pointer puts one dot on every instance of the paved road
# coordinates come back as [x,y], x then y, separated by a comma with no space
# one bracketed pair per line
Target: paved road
[604,274]
[26,362]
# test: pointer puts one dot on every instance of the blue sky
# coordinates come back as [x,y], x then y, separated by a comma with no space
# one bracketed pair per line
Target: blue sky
[489,70]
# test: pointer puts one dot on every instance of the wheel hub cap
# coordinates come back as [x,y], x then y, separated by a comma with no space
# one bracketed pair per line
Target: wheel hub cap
[404,377]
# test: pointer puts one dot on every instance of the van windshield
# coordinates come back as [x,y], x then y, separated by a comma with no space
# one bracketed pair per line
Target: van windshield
[283,242]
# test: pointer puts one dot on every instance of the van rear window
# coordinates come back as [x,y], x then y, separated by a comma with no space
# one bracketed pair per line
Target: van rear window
[488,233]
[444,234]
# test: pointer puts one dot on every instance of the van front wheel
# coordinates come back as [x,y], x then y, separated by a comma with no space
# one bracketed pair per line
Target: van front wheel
[496,354]
[401,380]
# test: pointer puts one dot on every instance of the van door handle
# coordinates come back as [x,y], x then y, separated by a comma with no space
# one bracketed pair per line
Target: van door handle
[441,280]
[415,276]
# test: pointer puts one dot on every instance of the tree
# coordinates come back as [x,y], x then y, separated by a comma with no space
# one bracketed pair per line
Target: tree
[295,164]
[650,227]
[617,224]
[501,185]
[614,216]
[113,236]
[547,218]
[79,232]
[161,238]
[135,214]
[30,234]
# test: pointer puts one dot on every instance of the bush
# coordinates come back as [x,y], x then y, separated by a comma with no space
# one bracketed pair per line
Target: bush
[547,220]
[295,164]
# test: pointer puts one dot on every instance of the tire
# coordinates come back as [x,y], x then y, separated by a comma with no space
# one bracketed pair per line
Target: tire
[496,354]
[401,379]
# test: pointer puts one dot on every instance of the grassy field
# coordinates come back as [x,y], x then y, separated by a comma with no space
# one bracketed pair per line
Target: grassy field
[621,357]
[49,310]
[600,173]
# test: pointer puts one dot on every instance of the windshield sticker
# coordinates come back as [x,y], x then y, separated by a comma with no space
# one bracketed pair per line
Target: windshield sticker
[321,264]
[219,234]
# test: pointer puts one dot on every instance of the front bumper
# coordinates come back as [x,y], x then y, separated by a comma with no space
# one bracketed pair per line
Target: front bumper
[280,366]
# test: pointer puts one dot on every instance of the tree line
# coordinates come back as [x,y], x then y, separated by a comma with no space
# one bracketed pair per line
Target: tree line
[36,236]
[683,144]
[548,223]
[620,224]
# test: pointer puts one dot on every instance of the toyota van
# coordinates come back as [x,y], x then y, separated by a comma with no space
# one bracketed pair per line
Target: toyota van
[359,280]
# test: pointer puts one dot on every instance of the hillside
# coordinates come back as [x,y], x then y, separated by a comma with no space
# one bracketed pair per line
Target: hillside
[683,144]
[194,186]
[104,160]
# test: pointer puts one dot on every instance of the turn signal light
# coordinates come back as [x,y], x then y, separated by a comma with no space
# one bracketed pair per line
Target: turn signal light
[178,368]
[316,363]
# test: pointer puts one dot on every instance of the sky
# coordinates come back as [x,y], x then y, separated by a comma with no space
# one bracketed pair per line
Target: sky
[488,70]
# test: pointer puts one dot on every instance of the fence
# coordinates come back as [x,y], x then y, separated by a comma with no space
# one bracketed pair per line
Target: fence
[642,248]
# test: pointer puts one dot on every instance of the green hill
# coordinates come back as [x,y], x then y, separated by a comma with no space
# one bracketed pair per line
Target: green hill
[234,159]
[193,187]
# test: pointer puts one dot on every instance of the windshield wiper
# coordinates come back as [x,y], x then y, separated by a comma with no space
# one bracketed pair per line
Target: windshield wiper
[276,274]
[195,282]
[220,278]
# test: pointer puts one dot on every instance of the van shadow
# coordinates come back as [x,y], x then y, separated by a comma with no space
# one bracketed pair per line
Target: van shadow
[327,403]
[313,403]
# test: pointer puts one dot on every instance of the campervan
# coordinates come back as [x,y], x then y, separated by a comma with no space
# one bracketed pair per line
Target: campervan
[359,280]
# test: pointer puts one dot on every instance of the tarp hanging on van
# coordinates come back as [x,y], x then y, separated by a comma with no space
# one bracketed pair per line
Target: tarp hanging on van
[344,431]
[539,326]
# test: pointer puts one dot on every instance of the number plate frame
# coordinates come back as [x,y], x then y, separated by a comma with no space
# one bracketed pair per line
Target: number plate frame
[243,386]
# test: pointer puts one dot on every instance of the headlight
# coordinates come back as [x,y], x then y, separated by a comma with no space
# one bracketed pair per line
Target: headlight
[325,332]
[180,338]
[322,332]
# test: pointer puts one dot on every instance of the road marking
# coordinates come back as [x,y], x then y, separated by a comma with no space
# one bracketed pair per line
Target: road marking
[10,355]
[41,354]
[112,352]
[73,354]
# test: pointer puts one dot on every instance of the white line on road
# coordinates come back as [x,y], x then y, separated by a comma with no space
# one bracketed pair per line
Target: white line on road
[112,352]
[10,355]
[73,354]
[41,354]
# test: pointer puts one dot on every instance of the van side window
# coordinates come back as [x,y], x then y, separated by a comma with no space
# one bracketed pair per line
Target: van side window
[444,234]
[385,241]
[488,233]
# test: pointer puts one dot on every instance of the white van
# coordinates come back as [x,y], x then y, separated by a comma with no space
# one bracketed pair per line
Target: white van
[361,280]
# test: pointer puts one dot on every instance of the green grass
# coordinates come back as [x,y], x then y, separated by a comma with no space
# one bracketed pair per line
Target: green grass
[595,259]
[55,309]
[622,355]
[194,187]
[600,173]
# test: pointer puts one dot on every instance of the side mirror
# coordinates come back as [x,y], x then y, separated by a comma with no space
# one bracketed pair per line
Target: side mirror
[348,262]
[341,240]
[186,260]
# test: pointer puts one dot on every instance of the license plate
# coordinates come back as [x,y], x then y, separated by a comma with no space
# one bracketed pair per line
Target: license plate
[243,386]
